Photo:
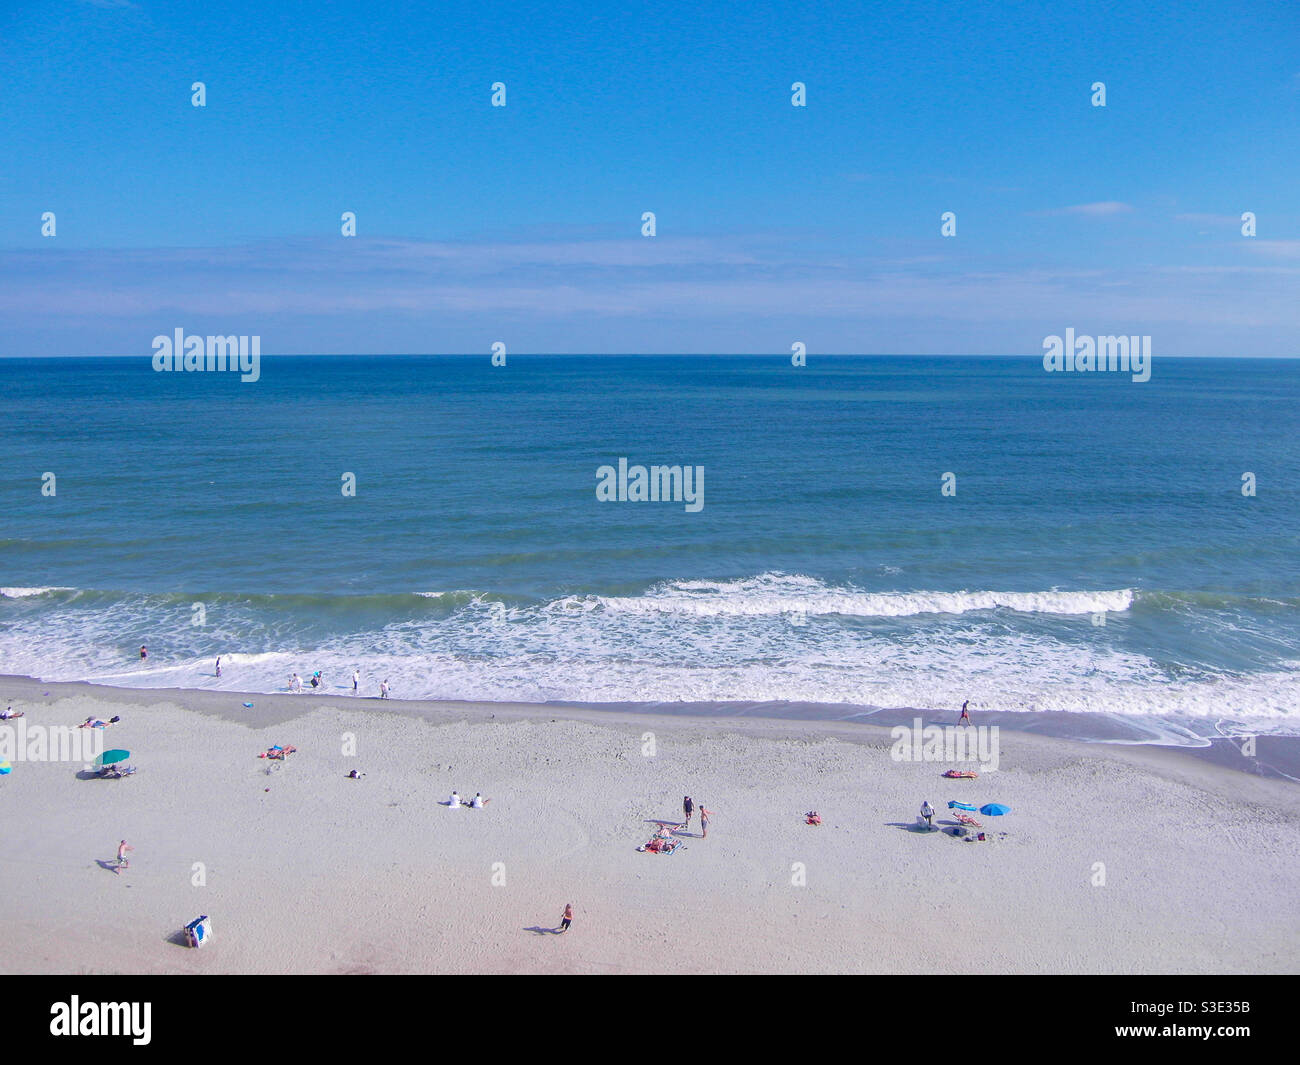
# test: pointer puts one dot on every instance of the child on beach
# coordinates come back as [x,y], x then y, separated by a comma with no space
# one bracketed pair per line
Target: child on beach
[566,918]
[122,848]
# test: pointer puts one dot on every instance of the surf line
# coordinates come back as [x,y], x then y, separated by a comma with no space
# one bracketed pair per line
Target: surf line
[657,484]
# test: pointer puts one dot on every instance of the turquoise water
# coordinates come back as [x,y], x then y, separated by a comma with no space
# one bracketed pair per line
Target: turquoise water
[1098,555]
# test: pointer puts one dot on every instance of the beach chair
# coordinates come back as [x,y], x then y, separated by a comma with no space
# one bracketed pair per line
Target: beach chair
[198,931]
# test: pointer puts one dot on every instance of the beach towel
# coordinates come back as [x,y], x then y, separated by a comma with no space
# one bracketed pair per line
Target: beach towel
[954,805]
[279,752]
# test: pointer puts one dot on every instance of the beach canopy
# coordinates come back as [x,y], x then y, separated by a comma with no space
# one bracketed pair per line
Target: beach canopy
[995,809]
[109,757]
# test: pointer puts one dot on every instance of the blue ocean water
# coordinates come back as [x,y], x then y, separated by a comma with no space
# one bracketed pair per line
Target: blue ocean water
[1098,555]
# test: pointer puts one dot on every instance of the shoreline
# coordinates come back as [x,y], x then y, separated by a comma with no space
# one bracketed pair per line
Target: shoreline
[1274,757]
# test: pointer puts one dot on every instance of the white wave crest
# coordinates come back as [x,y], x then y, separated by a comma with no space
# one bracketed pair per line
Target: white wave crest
[776,594]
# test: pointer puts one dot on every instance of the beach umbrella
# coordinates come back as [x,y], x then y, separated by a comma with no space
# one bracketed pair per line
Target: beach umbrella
[995,809]
[109,757]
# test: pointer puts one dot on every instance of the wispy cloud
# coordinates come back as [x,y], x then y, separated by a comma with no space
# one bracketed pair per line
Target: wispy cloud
[632,295]
[1101,209]
[1278,249]
[1204,219]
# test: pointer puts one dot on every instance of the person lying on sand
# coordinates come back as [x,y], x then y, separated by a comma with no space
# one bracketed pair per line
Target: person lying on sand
[116,772]
[98,722]
[11,713]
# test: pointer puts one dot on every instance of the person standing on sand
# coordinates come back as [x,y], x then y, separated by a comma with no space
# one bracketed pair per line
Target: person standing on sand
[964,715]
[356,680]
[122,848]
[704,821]
[383,689]
[688,808]
[566,918]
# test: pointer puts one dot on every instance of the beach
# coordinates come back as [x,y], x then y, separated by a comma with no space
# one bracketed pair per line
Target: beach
[1116,858]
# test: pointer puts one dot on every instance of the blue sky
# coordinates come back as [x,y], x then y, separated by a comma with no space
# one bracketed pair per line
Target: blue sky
[775,223]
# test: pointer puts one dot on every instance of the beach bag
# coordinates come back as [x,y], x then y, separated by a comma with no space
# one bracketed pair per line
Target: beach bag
[198,931]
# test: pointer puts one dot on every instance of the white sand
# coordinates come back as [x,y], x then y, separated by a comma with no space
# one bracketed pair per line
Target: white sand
[325,874]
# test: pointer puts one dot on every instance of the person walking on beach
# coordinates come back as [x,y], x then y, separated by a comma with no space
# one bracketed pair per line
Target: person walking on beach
[383,689]
[122,863]
[688,808]
[566,918]
[356,680]
[964,715]
[705,814]
[927,811]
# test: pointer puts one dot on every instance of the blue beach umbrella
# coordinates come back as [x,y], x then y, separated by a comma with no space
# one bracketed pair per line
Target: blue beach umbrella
[995,809]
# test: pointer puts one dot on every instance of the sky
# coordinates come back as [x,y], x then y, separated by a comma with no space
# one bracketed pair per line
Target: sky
[774,224]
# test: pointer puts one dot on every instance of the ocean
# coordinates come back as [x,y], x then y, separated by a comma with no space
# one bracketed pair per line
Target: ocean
[1093,552]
